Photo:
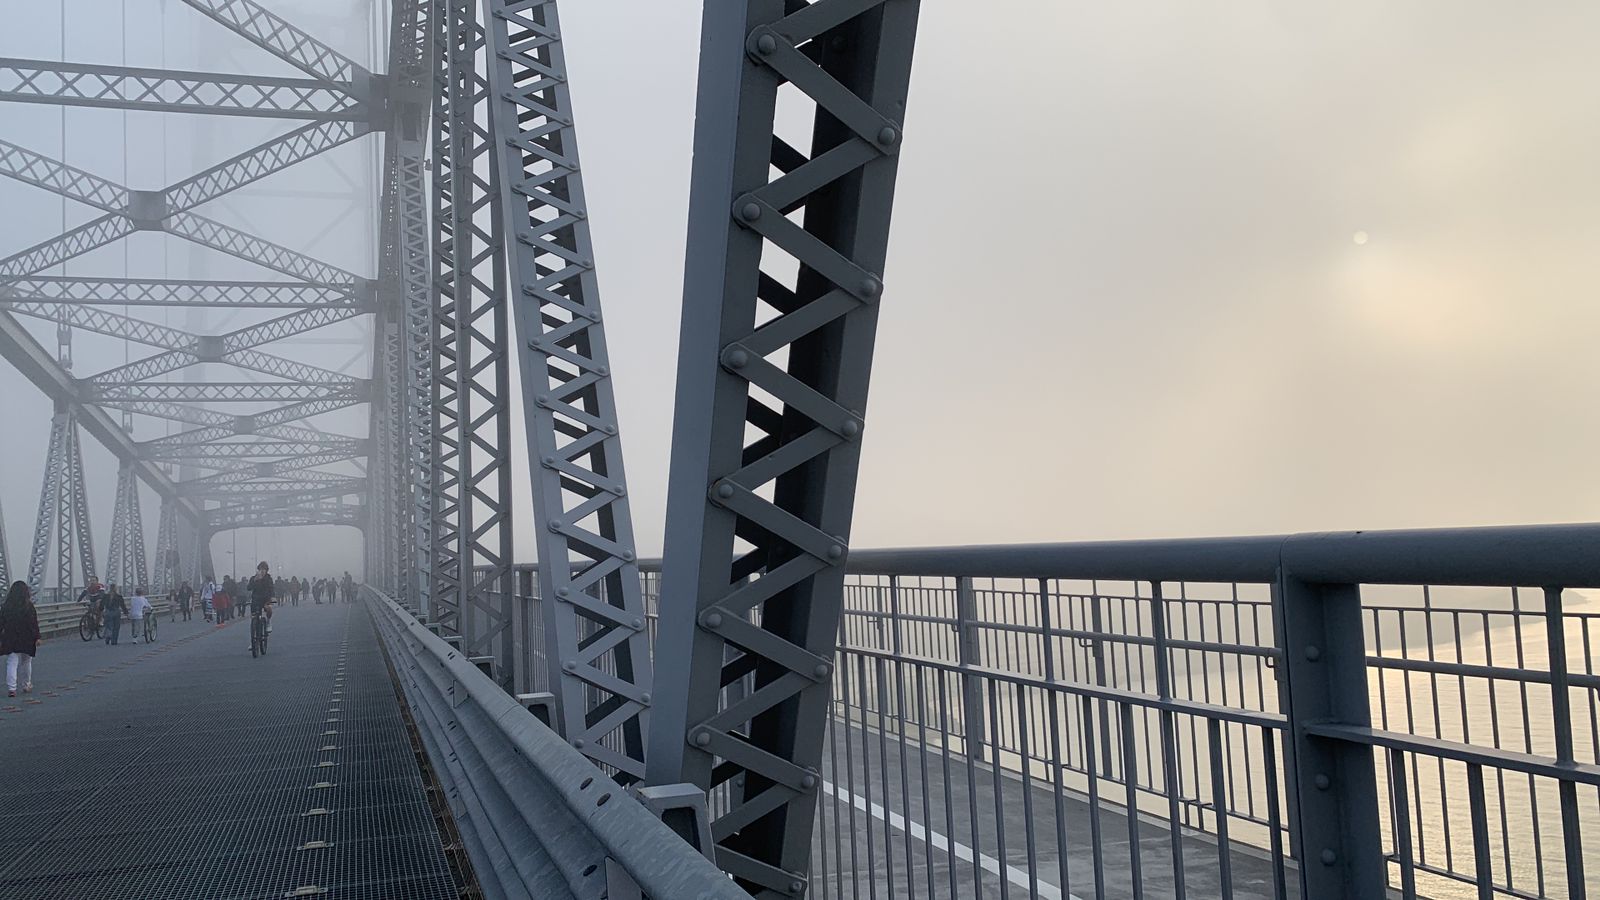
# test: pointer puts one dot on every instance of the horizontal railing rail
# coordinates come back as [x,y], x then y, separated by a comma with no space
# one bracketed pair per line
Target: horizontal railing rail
[537,818]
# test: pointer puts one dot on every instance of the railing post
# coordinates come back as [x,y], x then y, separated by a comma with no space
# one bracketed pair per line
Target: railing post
[1333,790]
[968,653]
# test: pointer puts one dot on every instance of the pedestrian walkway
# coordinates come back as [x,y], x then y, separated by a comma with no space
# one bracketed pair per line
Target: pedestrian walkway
[185,769]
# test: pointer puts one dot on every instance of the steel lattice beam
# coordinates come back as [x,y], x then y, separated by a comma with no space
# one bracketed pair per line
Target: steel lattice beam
[277,36]
[186,292]
[471,565]
[597,646]
[779,479]
[160,90]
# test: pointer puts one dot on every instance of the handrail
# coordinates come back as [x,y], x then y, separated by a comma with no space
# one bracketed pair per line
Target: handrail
[537,817]
[1495,556]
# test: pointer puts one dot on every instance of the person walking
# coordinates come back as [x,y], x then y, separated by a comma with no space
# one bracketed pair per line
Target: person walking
[138,609]
[316,591]
[349,588]
[231,589]
[19,637]
[185,598]
[112,608]
[208,594]
[295,586]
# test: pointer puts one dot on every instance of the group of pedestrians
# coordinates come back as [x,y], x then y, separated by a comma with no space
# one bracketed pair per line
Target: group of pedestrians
[112,608]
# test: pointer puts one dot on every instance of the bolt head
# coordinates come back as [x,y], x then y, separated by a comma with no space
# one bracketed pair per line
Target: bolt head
[796,886]
[563,592]
[808,781]
[549,460]
[737,358]
[887,136]
[766,45]
[725,490]
[570,665]
[713,620]
[638,624]
[577,743]
[850,428]
[542,400]
[702,739]
[822,670]
[750,212]
[871,287]
[1313,652]
[555,524]
[835,552]
[1322,782]
[1329,857]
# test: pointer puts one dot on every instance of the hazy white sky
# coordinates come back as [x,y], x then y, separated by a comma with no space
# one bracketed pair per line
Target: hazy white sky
[1125,292]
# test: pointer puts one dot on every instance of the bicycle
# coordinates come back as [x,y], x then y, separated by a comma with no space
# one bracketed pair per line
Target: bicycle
[258,635]
[89,624]
[150,627]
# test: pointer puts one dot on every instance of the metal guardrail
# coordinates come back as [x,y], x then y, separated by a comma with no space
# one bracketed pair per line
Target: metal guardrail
[56,619]
[1324,715]
[537,818]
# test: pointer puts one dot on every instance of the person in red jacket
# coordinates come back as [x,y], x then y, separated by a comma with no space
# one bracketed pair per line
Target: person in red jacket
[19,637]
[222,603]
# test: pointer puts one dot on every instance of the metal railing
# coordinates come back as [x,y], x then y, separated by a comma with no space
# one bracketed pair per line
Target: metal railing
[536,817]
[1325,715]
[56,619]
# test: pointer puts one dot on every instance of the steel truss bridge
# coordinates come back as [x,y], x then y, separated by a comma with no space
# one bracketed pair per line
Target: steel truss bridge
[764,711]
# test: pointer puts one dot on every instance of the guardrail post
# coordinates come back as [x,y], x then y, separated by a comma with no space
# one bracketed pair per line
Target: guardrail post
[968,653]
[1333,790]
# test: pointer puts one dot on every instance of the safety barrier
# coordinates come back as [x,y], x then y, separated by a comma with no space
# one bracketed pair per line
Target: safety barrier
[537,818]
[56,619]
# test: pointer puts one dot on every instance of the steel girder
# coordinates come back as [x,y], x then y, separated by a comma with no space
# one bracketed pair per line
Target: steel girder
[594,614]
[63,510]
[186,292]
[471,586]
[282,39]
[160,90]
[786,361]
[337,99]
[5,555]
[164,574]
[125,556]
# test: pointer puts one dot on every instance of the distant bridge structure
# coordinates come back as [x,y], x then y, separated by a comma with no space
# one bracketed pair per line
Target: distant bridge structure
[765,711]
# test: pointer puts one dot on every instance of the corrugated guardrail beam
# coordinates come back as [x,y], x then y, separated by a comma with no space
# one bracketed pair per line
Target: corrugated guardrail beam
[538,819]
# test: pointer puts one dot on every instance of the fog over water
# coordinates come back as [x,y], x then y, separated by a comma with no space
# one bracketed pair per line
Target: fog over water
[1158,268]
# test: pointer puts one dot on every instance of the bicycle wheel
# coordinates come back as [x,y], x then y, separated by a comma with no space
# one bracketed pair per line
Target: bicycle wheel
[87,629]
[150,628]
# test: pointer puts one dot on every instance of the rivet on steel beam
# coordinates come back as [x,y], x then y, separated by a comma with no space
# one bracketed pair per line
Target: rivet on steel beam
[602,371]
[627,556]
[563,592]
[725,490]
[702,739]
[822,670]
[1329,857]
[644,697]
[1321,781]
[609,429]
[871,287]
[808,781]
[850,428]
[542,400]
[887,136]
[637,623]
[711,619]
[1313,652]
[555,524]
[835,552]
[750,212]
[736,358]
[577,743]
[619,490]
[570,665]
[797,886]
[766,45]
[549,461]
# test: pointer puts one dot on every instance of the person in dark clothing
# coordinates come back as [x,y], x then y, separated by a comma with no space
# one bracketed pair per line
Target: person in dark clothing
[231,588]
[19,637]
[261,594]
[185,599]
[349,587]
[112,608]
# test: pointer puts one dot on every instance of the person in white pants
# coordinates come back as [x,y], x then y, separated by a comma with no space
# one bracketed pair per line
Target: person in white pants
[19,637]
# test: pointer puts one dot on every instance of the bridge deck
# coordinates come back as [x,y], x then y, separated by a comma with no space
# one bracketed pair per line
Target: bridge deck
[186,769]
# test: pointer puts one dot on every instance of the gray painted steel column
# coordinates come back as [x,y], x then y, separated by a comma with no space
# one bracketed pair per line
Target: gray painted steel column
[789,493]
[594,620]
[1333,790]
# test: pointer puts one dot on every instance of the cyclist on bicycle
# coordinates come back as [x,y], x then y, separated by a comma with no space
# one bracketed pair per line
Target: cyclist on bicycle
[94,595]
[260,590]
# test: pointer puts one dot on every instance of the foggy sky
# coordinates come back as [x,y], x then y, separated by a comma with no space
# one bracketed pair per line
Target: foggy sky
[1125,296]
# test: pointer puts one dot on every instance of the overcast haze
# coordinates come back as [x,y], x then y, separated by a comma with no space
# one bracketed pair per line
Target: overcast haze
[1158,268]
